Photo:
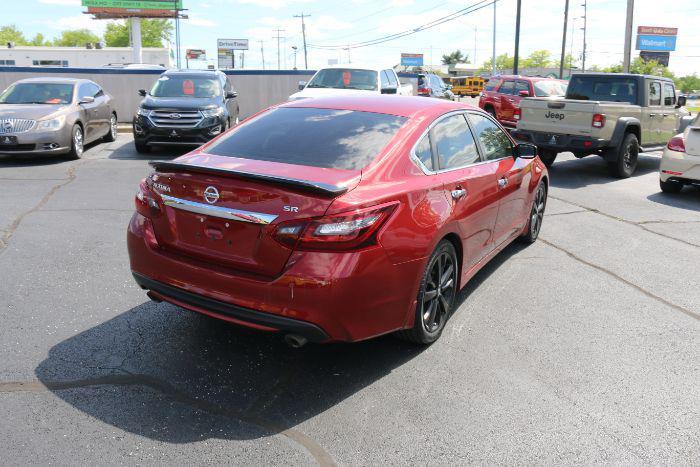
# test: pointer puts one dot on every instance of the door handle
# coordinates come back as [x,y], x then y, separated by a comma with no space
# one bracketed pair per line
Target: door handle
[458,193]
[502,182]
[511,100]
[652,115]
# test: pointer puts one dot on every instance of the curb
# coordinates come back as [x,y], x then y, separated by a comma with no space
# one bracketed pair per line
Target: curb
[124,128]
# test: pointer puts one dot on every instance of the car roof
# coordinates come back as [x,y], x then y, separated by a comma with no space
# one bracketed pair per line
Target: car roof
[54,80]
[184,72]
[402,106]
[624,75]
[355,66]
[531,78]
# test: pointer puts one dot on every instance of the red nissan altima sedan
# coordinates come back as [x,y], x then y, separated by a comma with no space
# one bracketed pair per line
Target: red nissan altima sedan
[337,219]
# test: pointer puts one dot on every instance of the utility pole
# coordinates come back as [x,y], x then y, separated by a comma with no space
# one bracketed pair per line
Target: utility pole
[628,37]
[278,37]
[585,17]
[303,34]
[294,48]
[517,38]
[262,53]
[474,59]
[493,54]
[563,40]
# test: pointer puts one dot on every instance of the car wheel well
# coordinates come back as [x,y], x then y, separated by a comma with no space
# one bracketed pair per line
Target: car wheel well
[454,239]
[634,129]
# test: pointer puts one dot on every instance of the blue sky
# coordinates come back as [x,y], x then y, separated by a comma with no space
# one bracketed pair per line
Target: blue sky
[351,21]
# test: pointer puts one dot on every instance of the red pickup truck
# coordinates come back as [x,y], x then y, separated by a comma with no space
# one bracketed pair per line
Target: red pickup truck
[502,94]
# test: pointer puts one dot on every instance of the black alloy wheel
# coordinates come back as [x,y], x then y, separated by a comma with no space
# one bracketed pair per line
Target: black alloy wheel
[436,296]
[534,224]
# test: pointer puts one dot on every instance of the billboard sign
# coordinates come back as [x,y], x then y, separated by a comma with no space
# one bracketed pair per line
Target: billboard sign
[661,57]
[135,4]
[196,54]
[226,49]
[657,31]
[656,43]
[411,59]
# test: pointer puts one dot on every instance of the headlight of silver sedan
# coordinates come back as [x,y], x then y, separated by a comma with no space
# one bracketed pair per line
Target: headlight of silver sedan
[52,124]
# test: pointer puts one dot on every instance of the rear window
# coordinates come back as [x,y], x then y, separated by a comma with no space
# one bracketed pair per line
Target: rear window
[492,84]
[337,139]
[345,78]
[603,88]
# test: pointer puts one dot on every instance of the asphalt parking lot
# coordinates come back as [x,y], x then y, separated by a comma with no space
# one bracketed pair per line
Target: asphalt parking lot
[582,348]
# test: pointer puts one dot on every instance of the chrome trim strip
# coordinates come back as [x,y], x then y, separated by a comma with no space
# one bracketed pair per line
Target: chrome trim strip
[218,211]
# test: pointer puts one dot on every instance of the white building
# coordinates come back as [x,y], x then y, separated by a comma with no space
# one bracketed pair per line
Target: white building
[79,57]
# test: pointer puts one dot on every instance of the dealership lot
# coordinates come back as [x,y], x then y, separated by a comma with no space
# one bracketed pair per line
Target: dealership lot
[581,348]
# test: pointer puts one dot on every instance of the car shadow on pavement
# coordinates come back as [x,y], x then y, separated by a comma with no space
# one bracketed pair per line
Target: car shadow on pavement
[176,376]
[592,170]
[688,198]
[127,151]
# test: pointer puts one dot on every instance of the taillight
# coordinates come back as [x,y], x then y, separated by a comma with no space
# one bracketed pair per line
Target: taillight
[347,231]
[598,121]
[677,143]
[146,205]
[517,113]
[423,91]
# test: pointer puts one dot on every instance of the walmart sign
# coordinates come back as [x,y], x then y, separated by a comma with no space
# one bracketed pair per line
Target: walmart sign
[656,43]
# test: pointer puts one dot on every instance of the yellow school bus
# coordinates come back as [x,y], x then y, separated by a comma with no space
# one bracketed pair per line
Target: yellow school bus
[467,85]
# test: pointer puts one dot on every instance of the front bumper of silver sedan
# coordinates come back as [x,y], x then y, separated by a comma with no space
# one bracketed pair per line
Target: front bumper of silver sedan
[37,142]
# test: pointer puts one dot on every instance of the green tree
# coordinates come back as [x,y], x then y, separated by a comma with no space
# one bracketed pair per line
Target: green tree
[154,32]
[687,84]
[11,34]
[455,57]
[39,40]
[569,62]
[504,62]
[76,38]
[538,59]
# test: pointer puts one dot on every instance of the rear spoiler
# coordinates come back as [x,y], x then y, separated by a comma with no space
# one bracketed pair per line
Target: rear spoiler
[323,189]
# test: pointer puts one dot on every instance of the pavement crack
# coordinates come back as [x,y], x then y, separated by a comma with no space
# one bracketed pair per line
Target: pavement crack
[10,231]
[627,282]
[641,224]
[566,213]
[168,390]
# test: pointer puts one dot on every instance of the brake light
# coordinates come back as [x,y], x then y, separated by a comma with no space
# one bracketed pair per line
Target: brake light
[517,113]
[677,143]
[347,231]
[423,91]
[598,121]
[146,205]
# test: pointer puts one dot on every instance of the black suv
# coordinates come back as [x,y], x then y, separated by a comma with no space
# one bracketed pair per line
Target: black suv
[185,108]
[430,85]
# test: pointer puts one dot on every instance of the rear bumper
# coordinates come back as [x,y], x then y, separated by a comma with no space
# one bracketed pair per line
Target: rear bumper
[236,313]
[325,296]
[679,167]
[561,142]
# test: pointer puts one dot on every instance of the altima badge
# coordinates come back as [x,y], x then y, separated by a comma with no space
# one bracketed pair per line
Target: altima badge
[211,195]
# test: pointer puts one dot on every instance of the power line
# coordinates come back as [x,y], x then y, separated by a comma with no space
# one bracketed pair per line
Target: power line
[457,14]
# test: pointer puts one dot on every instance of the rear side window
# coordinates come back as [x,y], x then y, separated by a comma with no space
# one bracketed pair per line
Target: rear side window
[521,86]
[654,93]
[507,87]
[424,153]
[337,139]
[669,95]
[454,143]
[494,141]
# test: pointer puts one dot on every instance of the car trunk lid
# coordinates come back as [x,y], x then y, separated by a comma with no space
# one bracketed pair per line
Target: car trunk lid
[224,210]
[554,115]
[692,141]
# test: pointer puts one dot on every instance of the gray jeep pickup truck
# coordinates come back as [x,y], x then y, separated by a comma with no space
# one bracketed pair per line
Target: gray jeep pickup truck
[612,115]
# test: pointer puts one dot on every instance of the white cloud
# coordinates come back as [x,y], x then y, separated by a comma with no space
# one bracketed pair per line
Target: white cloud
[195,20]
[77,22]
[274,4]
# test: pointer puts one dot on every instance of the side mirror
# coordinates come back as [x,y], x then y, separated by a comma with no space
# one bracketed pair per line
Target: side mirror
[302,85]
[525,151]
[86,100]
[389,90]
[231,95]
[524,93]
[142,92]
[682,100]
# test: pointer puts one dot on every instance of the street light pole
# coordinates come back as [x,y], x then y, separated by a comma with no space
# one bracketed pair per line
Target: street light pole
[517,38]
[493,53]
[262,54]
[294,48]
[303,33]
[563,40]
[628,37]
[585,19]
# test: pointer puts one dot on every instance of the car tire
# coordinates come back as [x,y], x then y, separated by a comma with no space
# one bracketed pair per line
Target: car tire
[434,307]
[534,222]
[112,132]
[490,111]
[142,148]
[547,156]
[77,143]
[625,163]
[670,187]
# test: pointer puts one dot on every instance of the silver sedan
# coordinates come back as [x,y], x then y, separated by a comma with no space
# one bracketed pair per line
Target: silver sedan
[54,116]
